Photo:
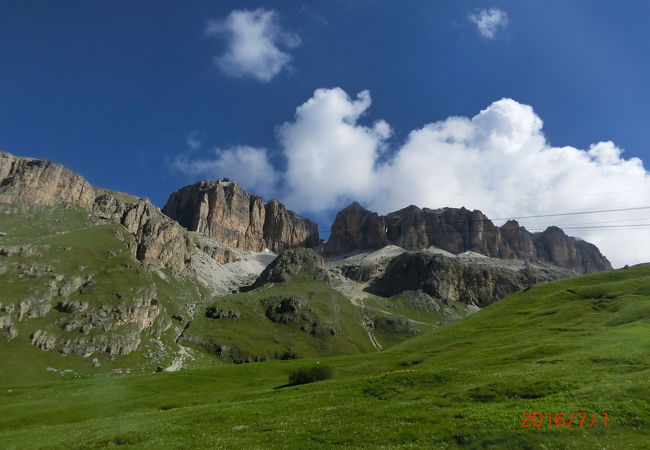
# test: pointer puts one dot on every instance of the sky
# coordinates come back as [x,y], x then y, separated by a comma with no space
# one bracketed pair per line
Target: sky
[515,108]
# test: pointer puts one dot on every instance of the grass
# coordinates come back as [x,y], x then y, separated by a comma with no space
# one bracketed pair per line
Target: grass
[67,243]
[575,345]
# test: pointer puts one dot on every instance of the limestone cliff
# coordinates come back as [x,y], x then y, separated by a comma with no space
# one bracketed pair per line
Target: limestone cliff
[159,241]
[472,279]
[356,228]
[285,229]
[226,213]
[458,230]
[220,210]
[41,182]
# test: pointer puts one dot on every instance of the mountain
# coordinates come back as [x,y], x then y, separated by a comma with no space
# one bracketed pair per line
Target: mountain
[458,230]
[572,348]
[111,283]
[224,212]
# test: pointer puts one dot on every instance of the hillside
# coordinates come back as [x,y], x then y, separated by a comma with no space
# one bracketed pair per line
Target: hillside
[577,345]
[75,301]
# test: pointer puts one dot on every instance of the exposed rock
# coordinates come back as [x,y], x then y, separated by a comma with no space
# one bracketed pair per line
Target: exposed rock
[159,241]
[555,246]
[7,328]
[72,306]
[43,340]
[356,228]
[421,300]
[471,280]
[39,308]
[215,313]
[221,210]
[285,229]
[458,230]
[34,270]
[287,311]
[110,208]
[226,213]
[113,329]
[70,285]
[293,312]
[363,271]
[25,251]
[291,263]
[41,182]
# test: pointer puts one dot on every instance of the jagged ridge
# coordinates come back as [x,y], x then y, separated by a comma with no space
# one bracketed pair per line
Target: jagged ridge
[223,211]
[459,230]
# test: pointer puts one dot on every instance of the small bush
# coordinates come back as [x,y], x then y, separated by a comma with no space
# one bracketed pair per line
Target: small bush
[304,375]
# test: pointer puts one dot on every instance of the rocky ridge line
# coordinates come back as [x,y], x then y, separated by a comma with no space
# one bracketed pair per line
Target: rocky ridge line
[226,213]
[159,241]
[458,230]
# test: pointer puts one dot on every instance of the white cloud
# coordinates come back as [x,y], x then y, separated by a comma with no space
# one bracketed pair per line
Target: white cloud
[329,157]
[489,21]
[255,44]
[497,161]
[248,166]
[192,141]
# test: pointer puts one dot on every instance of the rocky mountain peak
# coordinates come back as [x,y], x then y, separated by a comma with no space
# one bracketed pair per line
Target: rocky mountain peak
[41,182]
[458,230]
[224,212]
[159,242]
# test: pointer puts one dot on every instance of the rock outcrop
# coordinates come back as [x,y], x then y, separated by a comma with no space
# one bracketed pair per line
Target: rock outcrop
[458,230]
[226,213]
[356,228]
[220,210]
[284,229]
[474,280]
[159,241]
[41,182]
[303,262]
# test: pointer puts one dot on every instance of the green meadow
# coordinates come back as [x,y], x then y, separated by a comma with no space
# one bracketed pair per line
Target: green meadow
[578,345]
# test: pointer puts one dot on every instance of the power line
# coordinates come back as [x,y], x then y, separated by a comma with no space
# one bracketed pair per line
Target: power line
[586,194]
[573,213]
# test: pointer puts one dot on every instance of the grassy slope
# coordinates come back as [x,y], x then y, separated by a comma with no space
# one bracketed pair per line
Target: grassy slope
[72,244]
[575,345]
[67,240]
[254,335]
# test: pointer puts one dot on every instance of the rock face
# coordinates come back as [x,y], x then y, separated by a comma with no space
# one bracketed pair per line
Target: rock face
[226,213]
[159,241]
[285,229]
[220,210]
[41,182]
[356,228]
[298,261]
[458,230]
[475,280]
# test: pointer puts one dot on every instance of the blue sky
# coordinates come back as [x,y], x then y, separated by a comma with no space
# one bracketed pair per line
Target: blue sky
[114,89]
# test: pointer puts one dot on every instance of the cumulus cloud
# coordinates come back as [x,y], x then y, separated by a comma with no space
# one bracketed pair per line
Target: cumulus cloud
[330,158]
[489,21]
[249,166]
[498,161]
[256,44]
